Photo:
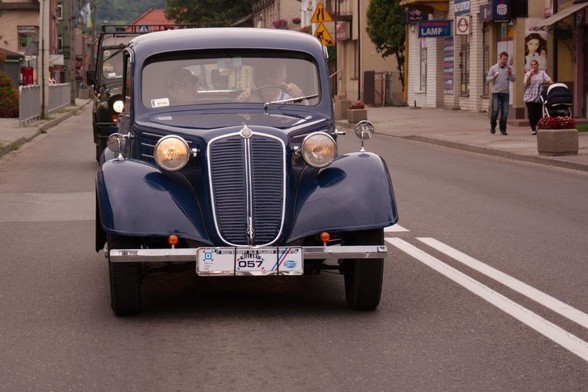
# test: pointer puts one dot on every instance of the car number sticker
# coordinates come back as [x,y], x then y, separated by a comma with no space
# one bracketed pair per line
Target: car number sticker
[249,261]
[159,102]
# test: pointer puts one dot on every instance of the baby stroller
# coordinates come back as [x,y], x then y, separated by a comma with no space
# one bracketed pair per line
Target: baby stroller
[557,100]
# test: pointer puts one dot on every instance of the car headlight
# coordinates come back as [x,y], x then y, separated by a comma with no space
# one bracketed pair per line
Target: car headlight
[118,106]
[171,153]
[319,150]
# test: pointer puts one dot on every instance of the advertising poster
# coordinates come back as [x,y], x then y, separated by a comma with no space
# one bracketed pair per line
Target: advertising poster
[535,45]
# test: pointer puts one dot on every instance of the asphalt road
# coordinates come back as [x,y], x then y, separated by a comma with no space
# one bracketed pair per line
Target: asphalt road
[515,322]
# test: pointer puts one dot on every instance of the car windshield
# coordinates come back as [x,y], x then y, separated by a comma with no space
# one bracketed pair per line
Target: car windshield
[229,79]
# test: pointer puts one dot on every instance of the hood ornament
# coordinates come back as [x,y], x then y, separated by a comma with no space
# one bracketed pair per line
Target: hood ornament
[246,132]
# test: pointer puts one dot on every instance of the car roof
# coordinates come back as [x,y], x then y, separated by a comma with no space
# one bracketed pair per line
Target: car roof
[150,44]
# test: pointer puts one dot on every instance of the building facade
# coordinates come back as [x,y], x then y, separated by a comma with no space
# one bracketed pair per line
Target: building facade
[452,44]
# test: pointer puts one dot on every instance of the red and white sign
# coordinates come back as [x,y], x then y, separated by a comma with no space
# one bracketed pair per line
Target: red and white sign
[462,25]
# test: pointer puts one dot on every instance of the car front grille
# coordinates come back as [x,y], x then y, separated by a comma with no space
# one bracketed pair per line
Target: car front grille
[247,176]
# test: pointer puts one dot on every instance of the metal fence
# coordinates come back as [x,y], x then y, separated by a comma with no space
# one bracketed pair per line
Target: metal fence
[30,100]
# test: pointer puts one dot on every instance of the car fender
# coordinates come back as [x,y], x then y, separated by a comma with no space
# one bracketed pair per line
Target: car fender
[137,199]
[354,193]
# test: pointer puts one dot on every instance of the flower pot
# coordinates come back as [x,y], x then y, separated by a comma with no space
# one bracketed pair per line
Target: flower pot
[557,141]
[356,115]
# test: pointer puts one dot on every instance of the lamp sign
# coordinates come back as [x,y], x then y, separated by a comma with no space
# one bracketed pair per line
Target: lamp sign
[435,29]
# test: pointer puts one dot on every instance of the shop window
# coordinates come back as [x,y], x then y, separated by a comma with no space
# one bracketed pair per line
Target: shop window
[60,43]
[59,11]
[423,73]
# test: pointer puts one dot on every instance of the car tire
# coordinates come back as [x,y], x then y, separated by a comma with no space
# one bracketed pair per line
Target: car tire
[125,280]
[363,278]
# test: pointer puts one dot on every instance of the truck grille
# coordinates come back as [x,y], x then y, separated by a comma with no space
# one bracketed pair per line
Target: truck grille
[247,179]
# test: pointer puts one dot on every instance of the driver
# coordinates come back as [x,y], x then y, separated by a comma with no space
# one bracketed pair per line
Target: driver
[270,84]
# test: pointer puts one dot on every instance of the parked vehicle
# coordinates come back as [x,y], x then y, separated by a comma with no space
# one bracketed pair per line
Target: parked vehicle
[239,178]
[106,78]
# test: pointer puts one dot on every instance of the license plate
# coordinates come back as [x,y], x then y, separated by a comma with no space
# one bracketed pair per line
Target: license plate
[249,261]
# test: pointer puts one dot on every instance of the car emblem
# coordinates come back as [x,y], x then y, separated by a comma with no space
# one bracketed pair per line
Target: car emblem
[246,132]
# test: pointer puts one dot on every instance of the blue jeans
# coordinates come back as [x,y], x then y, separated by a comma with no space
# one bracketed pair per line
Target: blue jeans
[499,102]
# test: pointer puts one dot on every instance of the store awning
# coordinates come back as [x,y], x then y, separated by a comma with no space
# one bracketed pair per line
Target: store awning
[427,5]
[559,16]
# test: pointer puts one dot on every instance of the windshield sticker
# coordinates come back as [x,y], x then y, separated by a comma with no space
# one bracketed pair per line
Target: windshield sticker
[159,102]
[164,118]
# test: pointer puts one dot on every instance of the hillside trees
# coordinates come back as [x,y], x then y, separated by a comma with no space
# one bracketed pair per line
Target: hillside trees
[207,13]
[385,27]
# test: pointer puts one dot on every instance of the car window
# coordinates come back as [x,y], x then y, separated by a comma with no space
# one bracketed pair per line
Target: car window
[228,79]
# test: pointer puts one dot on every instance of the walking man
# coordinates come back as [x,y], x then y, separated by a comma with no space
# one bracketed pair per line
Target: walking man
[500,75]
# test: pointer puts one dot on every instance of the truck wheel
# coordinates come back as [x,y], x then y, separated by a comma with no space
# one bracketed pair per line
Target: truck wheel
[125,280]
[363,278]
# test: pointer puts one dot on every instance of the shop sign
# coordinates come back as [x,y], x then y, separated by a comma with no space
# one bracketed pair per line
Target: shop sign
[414,15]
[462,25]
[435,29]
[485,13]
[462,7]
[501,10]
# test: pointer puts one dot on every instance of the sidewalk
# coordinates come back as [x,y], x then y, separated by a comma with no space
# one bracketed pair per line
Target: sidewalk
[12,135]
[464,130]
[468,131]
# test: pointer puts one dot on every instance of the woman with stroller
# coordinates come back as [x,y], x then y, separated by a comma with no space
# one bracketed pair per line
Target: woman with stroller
[534,81]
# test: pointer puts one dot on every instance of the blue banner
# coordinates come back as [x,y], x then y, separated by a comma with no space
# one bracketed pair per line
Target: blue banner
[501,10]
[435,29]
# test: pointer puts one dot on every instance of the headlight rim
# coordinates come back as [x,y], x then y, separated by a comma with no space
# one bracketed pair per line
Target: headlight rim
[187,153]
[312,163]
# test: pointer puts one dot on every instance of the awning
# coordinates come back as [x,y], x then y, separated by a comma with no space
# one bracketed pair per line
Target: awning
[427,5]
[559,16]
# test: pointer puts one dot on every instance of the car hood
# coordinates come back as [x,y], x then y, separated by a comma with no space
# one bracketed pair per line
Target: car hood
[216,120]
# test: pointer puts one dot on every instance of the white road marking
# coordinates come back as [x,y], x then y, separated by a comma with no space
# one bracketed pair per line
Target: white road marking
[395,229]
[560,336]
[513,283]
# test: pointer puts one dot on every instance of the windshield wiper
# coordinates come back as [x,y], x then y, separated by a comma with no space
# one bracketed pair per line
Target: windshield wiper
[289,100]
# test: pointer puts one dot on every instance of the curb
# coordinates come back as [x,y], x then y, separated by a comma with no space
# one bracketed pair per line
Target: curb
[503,154]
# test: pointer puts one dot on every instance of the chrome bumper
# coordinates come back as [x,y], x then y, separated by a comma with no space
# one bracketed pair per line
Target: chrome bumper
[189,254]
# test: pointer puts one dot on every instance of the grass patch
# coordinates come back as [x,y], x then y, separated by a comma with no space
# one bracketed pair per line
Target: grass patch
[582,127]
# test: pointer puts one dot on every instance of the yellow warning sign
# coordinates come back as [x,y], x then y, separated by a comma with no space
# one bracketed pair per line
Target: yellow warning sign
[320,14]
[324,36]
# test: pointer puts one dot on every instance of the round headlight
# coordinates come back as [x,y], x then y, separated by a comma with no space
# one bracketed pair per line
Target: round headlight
[118,106]
[319,150]
[171,153]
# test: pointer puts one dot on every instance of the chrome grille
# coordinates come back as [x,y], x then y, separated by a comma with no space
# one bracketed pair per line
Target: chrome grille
[247,181]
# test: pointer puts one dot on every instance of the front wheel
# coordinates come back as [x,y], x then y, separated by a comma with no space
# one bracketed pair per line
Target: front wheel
[363,277]
[125,280]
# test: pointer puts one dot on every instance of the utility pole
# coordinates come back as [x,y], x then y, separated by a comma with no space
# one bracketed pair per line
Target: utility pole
[44,42]
[72,52]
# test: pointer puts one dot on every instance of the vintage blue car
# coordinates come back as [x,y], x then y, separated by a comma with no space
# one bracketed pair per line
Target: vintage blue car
[225,162]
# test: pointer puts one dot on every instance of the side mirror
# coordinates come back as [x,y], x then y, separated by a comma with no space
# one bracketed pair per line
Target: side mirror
[90,78]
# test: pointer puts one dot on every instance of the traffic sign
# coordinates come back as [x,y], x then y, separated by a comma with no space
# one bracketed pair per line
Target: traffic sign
[324,36]
[462,25]
[320,14]
[143,29]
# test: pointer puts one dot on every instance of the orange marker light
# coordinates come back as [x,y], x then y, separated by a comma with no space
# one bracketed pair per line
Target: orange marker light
[173,240]
[325,237]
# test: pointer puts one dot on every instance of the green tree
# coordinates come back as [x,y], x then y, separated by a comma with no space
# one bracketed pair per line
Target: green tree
[386,29]
[207,13]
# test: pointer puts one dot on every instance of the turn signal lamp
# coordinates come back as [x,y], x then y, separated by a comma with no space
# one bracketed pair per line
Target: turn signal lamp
[173,240]
[325,237]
